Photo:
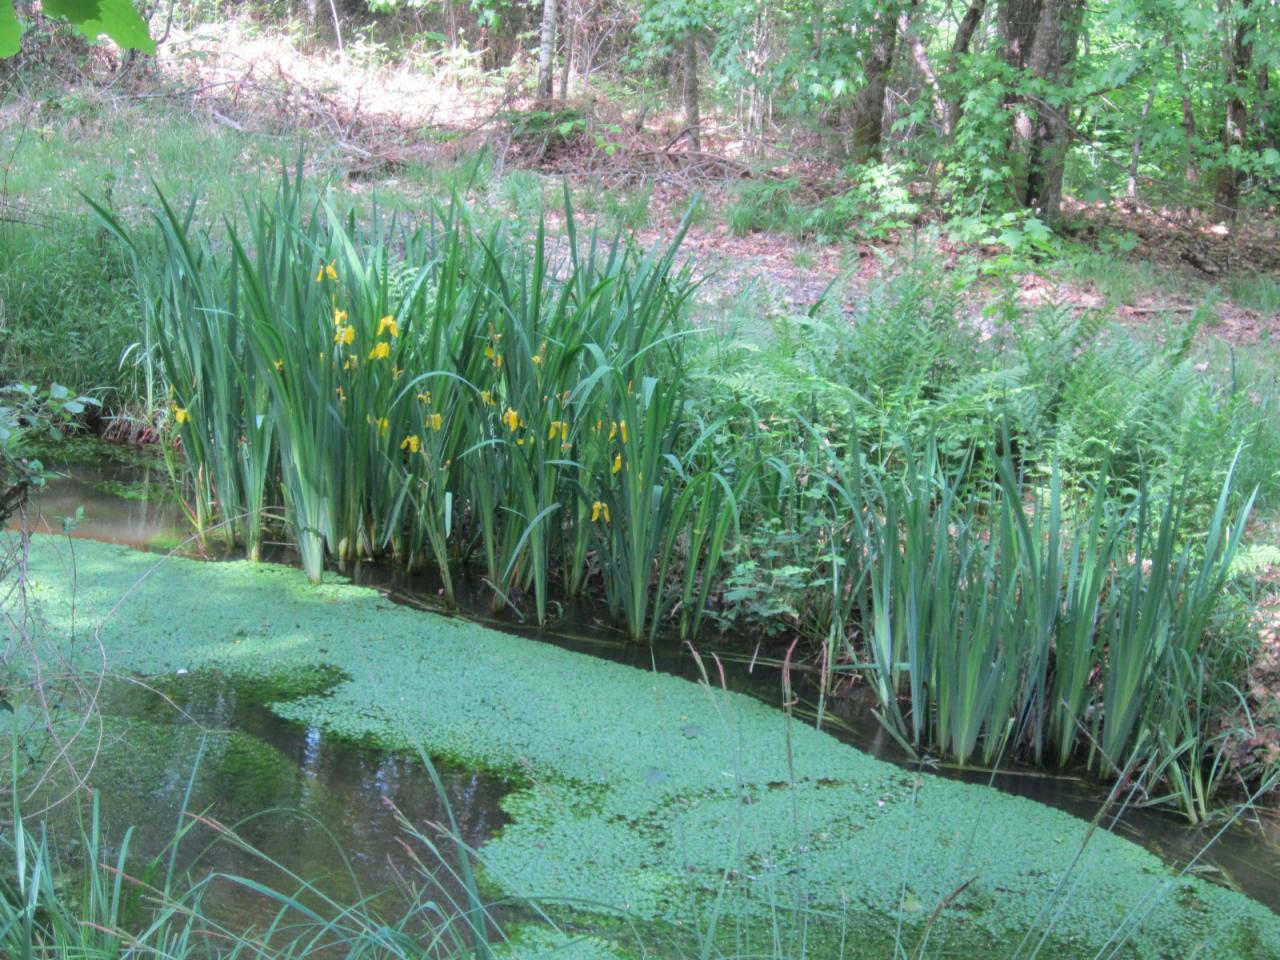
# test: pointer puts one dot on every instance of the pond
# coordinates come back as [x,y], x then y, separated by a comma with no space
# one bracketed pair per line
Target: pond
[355,791]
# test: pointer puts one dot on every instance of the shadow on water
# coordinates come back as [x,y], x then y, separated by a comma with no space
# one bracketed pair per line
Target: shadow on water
[347,788]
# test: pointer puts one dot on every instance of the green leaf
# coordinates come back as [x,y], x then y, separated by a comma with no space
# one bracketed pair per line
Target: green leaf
[74,11]
[10,30]
[116,18]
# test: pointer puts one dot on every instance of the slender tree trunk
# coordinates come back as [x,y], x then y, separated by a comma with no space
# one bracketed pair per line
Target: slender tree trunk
[569,30]
[968,26]
[1188,118]
[692,115]
[959,48]
[546,53]
[868,105]
[1226,191]
[759,60]
[1263,116]
[941,108]
[1136,150]
[337,30]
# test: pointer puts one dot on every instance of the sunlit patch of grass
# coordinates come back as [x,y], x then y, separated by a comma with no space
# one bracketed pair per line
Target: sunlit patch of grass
[1260,294]
[1119,280]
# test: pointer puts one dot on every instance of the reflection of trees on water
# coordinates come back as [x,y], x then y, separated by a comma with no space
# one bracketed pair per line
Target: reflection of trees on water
[149,514]
[334,821]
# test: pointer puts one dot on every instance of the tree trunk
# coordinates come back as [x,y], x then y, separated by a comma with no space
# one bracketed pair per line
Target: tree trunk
[1226,191]
[941,107]
[959,48]
[1017,27]
[692,116]
[1041,38]
[570,35]
[1136,150]
[546,53]
[868,105]
[968,26]
[1188,119]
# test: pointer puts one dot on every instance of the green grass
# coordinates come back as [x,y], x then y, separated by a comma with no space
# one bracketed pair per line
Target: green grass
[66,311]
[629,209]
[1120,280]
[1261,294]
[68,892]
[65,308]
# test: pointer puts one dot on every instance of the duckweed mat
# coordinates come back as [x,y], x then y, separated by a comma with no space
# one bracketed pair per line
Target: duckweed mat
[652,809]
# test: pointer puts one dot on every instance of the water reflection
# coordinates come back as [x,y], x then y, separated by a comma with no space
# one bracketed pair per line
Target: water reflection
[333,813]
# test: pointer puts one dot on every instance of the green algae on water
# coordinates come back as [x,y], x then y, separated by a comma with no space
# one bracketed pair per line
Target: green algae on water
[651,800]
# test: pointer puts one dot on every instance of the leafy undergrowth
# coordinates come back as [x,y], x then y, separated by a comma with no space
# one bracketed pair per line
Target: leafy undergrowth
[650,800]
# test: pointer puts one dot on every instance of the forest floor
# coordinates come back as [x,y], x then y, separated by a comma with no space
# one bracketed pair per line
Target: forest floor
[381,127]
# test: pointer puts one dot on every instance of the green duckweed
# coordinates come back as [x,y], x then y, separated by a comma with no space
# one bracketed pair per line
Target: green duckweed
[647,799]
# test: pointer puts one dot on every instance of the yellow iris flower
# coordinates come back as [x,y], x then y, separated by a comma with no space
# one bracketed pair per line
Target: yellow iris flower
[617,463]
[339,317]
[411,443]
[388,325]
[180,414]
[380,351]
[511,419]
[599,509]
[437,421]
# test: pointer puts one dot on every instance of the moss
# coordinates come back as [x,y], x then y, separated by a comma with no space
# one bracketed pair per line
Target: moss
[653,799]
